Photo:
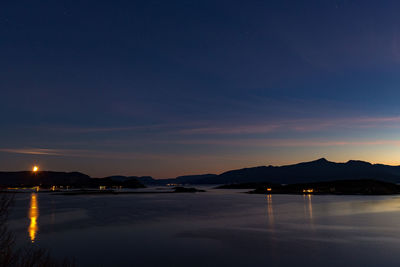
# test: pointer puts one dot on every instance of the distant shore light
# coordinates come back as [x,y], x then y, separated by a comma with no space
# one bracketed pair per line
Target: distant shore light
[35,168]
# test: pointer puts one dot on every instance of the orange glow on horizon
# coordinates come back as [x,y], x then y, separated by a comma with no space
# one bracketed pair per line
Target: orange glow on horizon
[35,168]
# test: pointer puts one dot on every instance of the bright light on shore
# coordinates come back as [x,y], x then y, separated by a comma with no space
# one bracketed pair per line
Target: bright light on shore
[35,169]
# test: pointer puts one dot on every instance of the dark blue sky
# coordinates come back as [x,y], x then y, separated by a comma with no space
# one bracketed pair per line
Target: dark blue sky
[166,88]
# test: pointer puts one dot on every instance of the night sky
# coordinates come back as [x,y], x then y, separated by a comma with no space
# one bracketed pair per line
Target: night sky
[167,88]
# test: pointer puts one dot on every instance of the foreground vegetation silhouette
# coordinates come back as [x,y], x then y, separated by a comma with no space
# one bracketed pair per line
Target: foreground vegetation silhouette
[25,257]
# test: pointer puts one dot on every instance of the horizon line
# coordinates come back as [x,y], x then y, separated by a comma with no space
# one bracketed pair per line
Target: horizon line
[283,165]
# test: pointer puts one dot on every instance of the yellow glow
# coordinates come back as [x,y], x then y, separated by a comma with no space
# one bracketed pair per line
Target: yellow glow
[269,189]
[270,210]
[35,168]
[308,190]
[33,216]
[310,206]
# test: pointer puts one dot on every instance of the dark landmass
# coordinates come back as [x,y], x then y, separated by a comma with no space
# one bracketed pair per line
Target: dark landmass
[116,192]
[306,172]
[246,185]
[180,189]
[109,182]
[188,179]
[320,170]
[48,179]
[148,180]
[43,178]
[142,179]
[342,187]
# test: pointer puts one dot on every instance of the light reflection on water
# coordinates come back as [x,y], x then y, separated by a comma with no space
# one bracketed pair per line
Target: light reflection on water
[229,227]
[270,210]
[33,217]
[308,206]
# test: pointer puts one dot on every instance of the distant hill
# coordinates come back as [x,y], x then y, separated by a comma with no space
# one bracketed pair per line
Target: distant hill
[188,179]
[314,171]
[47,179]
[120,178]
[125,182]
[320,170]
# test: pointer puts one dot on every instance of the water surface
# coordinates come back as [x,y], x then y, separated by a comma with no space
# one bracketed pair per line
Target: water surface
[219,227]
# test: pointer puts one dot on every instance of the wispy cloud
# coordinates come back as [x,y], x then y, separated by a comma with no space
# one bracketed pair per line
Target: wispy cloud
[240,127]
[107,129]
[32,151]
[299,125]
[249,129]
[78,153]
[112,155]
[286,142]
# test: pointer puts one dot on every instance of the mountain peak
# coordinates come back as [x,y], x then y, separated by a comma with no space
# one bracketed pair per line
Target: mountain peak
[318,161]
[358,162]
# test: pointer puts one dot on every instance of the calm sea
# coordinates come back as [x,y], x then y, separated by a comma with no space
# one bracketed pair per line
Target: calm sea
[216,228]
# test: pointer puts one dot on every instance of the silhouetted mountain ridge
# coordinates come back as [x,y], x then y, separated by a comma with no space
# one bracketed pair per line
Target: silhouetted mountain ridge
[47,179]
[320,170]
[313,171]
[188,179]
